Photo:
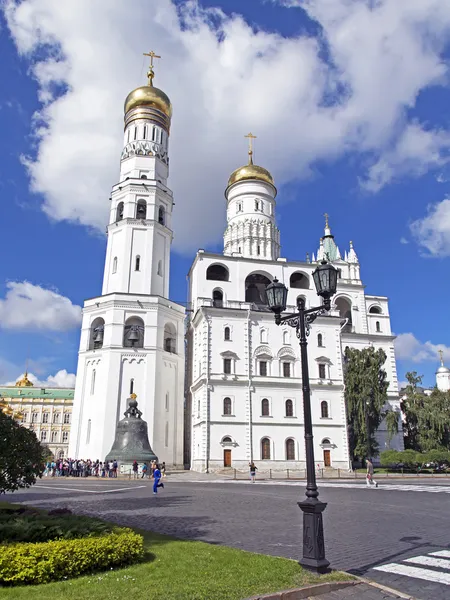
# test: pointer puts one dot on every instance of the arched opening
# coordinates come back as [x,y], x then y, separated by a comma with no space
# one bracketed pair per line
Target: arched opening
[61,455]
[227,406]
[226,440]
[344,307]
[131,386]
[255,289]
[263,336]
[324,409]
[265,449]
[143,176]
[285,337]
[119,211]
[170,338]
[265,407]
[375,310]
[217,273]
[92,384]
[141,209]
[96,333]
[320,340]
[133,333]
[378,326]
[137,263]
[218,298]
[289,405]
[114,267]
[226,334]
[325,442]
[161,215]
[290,449]
[299,280]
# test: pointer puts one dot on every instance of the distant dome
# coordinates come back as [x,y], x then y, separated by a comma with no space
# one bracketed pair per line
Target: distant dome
[443,369]
[147,95]
[250,171]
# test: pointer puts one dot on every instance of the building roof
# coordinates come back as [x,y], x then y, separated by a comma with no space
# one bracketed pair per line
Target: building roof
[28,392]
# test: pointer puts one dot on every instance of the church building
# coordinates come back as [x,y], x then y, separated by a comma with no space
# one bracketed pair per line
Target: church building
[244,396]
[132,337]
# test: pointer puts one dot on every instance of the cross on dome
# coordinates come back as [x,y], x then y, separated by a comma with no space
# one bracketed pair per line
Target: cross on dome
[250,138]
[441,354]
[150,72]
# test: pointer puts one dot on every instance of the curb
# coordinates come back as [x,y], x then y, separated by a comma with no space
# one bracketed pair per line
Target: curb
[306,592]
[384,588]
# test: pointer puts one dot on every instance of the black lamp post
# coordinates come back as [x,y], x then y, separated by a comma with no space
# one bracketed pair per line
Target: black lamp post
[325,280]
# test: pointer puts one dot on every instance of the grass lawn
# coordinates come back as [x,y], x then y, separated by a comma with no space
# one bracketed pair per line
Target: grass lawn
[181,570]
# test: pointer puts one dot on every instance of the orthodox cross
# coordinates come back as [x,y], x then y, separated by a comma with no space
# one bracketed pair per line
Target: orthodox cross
[250,138]
[150,73]
[440,352]
[326,215]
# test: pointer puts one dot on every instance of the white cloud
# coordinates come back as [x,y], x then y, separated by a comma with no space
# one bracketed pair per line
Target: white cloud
[404,241]
[226,78]
[432,232]
[31,307]
[408,347]
[61,379]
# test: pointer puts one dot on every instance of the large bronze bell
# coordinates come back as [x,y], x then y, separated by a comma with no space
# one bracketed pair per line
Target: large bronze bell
[131,441]
[133,335]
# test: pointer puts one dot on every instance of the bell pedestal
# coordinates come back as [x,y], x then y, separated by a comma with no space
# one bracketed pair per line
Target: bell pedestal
[131,442]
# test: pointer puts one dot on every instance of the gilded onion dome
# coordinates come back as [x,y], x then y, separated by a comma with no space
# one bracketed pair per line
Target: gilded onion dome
[24,382]
[250,171]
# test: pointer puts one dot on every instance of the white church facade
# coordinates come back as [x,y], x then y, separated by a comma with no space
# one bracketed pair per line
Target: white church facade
[244,397]
[132,337]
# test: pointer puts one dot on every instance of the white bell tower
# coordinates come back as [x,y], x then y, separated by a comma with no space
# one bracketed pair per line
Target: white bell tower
[132,339]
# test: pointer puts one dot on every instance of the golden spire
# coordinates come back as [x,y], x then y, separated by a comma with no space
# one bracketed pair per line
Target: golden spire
[441,353]
[24,382]
[250,138]
[150,72]
[326,215]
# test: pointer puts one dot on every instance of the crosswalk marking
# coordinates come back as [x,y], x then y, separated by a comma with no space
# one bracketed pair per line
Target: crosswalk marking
[416,572]
[433,489]
[444,553]
[430,561]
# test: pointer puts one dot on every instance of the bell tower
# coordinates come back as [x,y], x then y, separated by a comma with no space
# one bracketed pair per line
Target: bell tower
[132,338]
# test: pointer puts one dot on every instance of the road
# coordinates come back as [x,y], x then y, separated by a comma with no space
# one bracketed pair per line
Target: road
[397,535]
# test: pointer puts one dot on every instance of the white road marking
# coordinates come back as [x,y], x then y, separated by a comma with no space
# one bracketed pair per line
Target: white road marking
[382,486]
[416,572]
[72,489]
[429,561]
[444,553]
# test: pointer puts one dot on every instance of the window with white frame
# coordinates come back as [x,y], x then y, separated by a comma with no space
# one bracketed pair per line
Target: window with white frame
[265,407]
[322,371]
[286,339]
[65,437]
[263,368]
[227,406]
[54,436]
[67,419]
[324,410]
[43,436]
[286,369]
[56,416]
[263,336]
[227,334]
[167,400]
[45,418]
[227,366]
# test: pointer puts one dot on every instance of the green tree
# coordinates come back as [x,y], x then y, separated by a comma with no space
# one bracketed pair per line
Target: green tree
[391,417]
[411,406]
[365,396]
[21,455]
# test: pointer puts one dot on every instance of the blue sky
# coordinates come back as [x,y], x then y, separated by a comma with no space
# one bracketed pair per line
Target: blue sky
[359,131]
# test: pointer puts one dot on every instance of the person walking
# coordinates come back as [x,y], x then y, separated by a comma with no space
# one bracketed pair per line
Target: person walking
[253,470]
[135,469]
[163,469]
[369,475]
[144,470]
[157,480]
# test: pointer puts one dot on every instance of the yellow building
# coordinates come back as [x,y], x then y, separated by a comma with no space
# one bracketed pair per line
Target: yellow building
[47,411]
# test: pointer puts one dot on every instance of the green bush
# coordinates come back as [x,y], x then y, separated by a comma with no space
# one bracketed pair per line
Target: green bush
[63,559]
[23,524]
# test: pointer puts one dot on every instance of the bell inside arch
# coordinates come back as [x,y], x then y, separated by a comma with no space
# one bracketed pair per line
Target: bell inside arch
[133,335]
[98,338]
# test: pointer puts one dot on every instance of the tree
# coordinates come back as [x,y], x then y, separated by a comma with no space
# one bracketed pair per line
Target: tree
[427,418]
[391,417]
[365,397]
[21,455]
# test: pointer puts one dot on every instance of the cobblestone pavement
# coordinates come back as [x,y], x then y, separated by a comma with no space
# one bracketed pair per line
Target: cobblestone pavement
[397,537]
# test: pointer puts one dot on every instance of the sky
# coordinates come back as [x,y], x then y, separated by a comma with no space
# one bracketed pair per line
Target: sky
[349,100]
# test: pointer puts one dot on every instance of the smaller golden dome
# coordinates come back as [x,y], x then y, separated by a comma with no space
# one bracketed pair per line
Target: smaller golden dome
[24,382]
[250,171]
[147,95]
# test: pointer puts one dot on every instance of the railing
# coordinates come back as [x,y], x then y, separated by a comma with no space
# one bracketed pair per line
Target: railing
[330,473]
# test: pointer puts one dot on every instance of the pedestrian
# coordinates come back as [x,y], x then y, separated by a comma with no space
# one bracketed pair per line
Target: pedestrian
[253,470]
[369,475]
[157,480]
[163,469]
[144,470]
[135,469]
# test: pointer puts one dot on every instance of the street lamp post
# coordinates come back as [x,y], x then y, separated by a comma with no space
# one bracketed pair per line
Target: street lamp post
[325,280]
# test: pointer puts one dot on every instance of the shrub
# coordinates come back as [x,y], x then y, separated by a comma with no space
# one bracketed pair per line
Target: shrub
[23,524]
[61,559]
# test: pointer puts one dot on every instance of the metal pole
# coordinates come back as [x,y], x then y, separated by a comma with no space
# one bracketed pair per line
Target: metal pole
[313,538]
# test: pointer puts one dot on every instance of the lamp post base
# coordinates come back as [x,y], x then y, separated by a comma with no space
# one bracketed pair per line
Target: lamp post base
[313,540]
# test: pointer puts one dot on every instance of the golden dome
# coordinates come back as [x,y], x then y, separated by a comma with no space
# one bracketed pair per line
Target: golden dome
[24,382]
[250,171]
[147,95]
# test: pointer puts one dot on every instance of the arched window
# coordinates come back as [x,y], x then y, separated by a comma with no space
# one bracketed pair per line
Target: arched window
[218,298]
[161,215]
[66,418]
[160,268]
[375,310]
[45,418]
[299,281]
[265,407]
[345,312]
[133,334]
[226,334]
[65,437]
[289,408]
[141,209]
[88,431]
[166,435]
[226,440]
[54,436]
[265,449]
[285,337]
[255,289]
[319,340]
[170,338]
[256,204]
[324,409]
[143,176]
[167,401]
[56,417]
[43,436]
[290,449]
[263,336]
[227,406]
[217,273]
[114,268]
[137,263]
[119,211]
[325,442]
[96,334]
[131,386]
[93,382]
[378,328]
